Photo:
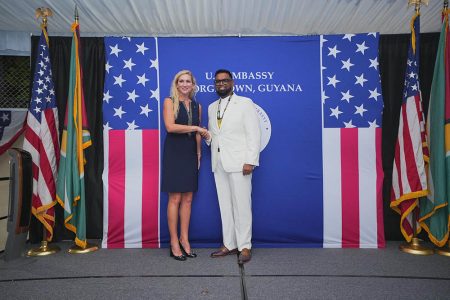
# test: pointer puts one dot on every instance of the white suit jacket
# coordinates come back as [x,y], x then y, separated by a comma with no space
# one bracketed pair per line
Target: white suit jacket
[239,136]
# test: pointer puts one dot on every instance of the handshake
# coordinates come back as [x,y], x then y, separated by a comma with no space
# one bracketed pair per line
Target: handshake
[204,133]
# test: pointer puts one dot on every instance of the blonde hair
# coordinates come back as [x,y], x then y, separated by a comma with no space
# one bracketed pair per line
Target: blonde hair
[174,91]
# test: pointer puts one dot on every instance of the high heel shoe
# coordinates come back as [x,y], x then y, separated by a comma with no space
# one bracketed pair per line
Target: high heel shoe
[191,254]
[180,257]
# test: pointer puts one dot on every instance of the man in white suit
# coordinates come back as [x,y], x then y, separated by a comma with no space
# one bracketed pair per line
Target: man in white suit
[234,136]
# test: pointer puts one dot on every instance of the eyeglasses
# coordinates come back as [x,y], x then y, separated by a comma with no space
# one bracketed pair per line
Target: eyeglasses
[222,81]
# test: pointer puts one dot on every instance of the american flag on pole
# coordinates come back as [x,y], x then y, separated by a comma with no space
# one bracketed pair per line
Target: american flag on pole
[42,138]
[409,181]
[352,108]
[131,144]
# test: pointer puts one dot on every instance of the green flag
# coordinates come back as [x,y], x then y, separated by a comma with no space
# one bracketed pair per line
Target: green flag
[434,209]
[75,138]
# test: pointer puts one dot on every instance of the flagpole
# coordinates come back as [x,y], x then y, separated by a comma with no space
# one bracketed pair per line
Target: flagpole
[45,249]
[417,4]
[76,14]
[414,247]
[88,247]
[444,250]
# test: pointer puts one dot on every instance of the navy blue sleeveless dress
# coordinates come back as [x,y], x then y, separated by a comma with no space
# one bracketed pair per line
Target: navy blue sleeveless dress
[180,165]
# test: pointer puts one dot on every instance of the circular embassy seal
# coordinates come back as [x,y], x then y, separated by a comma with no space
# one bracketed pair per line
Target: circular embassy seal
[265,126]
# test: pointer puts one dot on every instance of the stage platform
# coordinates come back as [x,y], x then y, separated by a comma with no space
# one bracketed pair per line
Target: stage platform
[273,273]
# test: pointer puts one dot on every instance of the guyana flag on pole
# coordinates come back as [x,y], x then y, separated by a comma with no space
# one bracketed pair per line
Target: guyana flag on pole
[434,209]
[75,138]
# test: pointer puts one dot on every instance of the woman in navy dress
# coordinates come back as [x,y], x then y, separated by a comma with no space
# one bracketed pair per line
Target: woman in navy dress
[181,159]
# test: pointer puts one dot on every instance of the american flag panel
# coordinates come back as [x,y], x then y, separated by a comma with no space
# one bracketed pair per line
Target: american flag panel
[352,170]
[131,144]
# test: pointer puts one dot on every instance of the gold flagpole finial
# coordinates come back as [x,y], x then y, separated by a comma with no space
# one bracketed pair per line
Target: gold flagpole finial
[76,14]
[417,4]
[44,13]
[445,4]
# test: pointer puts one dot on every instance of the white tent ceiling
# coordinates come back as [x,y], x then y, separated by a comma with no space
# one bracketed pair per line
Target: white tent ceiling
[220,17]
[215,17]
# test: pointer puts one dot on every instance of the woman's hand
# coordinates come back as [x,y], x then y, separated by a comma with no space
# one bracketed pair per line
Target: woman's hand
[200,130]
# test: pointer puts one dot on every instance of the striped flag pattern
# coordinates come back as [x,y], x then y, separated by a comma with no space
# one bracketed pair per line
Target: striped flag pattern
[131,144]
[409,181]
[351,134]
[42,138]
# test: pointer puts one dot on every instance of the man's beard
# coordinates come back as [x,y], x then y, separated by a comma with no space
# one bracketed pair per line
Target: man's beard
[223,93]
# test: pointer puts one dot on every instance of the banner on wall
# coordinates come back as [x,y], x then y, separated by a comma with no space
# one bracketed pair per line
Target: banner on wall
[319,103]
[12,124]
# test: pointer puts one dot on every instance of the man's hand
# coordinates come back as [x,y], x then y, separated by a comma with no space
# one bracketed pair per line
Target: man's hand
[205,134]
[247,169]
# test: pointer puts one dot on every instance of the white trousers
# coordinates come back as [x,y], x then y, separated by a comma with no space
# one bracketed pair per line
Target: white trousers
[234,192]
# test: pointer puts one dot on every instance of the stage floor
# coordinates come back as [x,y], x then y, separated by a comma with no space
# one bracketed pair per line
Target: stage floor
[272,274]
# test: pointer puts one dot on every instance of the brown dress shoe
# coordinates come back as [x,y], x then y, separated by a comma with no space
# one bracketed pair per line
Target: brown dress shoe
[223,251]
[245,256]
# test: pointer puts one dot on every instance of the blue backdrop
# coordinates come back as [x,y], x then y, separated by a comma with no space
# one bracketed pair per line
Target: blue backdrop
[282,76]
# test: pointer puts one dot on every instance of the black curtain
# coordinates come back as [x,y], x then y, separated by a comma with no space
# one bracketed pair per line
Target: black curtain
[392,63]
[93,63]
